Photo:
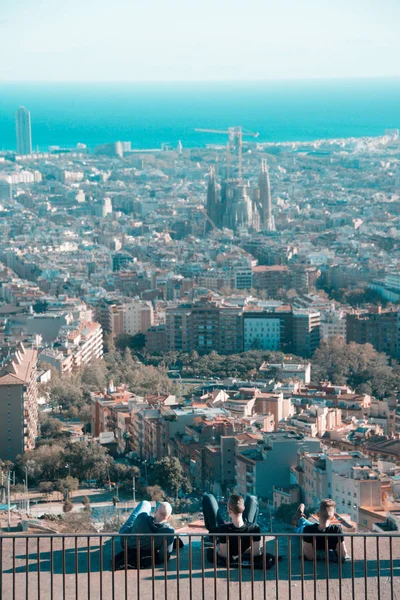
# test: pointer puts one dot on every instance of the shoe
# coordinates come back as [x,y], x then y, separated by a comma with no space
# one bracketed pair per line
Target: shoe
[299,514]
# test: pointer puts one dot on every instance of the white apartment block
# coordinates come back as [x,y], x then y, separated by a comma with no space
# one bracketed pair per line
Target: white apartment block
[79,347]
[333,324]
[138,316]
[359,488]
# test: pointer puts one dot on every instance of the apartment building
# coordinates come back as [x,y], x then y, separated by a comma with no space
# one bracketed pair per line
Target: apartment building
[273,404]
[79,345]
[305,332]
[18,404]
[267,330]
[271,279]
[378,327]
[360,487]
[259,469]
[333,324]
[204,326]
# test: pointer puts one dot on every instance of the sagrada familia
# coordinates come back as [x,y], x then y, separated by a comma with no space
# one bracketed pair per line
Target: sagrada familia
[233,204]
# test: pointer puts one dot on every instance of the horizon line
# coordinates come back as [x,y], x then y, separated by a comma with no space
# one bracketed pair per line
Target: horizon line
[215,81]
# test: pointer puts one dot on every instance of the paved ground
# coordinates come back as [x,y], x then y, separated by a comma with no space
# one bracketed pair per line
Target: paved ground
[86,573]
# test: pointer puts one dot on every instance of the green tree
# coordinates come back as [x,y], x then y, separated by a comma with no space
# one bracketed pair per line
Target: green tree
[94,375]
[49,426]
[87,460]
[123,474]
[40,306]
[358,365]
[156,493]
[67,391]
[67,506]
[170,476]
[44,463]
[86,503]
[133,342]
[47,487]
[67,485]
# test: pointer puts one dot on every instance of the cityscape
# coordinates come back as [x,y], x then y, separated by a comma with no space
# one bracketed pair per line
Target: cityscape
[199,301]
[220,319]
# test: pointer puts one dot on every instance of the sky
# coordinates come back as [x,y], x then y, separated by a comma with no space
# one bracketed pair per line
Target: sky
[168,40]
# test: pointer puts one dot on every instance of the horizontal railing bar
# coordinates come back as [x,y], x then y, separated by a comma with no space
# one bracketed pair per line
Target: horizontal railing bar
[24,535]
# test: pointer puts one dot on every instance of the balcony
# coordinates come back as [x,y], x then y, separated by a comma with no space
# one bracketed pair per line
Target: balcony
[56,566]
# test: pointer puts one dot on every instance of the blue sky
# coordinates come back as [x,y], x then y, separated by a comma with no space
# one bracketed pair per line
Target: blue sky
[130,40]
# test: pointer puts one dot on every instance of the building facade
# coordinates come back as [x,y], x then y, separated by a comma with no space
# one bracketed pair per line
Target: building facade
[18,404]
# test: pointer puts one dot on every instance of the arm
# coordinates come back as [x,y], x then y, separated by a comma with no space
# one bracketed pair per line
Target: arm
[340,546]
[168,544]
[308,550]
[223,550]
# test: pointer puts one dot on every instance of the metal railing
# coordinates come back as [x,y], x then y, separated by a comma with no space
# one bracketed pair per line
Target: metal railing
[96,566]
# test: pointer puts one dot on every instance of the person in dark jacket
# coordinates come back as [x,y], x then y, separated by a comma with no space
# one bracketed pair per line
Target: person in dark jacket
[142,522]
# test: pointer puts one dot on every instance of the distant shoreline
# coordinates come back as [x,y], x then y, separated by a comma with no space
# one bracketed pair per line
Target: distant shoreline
[149,114]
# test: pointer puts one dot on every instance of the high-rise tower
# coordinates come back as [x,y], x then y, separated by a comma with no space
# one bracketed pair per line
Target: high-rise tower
[24,134]
[267,219]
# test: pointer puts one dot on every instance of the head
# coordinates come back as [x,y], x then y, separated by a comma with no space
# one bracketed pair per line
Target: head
[327,510]
[235,506]
[163,512]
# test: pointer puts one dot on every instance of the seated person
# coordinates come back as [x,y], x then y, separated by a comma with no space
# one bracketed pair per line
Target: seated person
[243,516]
[336,545]
[236,509]
[141,521]
[212,513]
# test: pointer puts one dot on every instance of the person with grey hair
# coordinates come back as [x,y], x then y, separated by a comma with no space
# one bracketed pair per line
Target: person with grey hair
[141,521]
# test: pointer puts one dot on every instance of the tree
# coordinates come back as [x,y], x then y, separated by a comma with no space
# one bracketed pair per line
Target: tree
[87,460]
[358,365]
[49,426]
[94,375]
[67,485]
[169,475]
[44,463]
[156,493]
[133,342]
[67,391]
[47,487]
[67,506]
[40,306]
[123,474]
[86,503]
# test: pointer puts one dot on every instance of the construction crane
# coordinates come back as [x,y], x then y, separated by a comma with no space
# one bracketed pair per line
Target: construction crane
[204,211]
[235,135]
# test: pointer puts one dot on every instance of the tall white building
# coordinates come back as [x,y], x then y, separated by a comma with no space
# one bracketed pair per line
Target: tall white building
[333,324]
[138,316]
[23,130]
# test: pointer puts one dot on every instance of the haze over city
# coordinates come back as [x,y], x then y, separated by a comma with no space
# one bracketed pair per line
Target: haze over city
[178,40]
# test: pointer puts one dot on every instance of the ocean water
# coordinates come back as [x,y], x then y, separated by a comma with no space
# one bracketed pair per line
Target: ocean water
[149,114]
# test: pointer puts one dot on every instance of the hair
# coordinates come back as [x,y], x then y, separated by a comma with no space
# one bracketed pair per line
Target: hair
[327,508]
[165,510]
[236,504]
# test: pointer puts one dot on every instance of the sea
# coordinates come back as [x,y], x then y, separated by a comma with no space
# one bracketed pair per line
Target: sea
[151,114]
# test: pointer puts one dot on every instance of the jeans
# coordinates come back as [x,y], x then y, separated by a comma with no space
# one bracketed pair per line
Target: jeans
[301,523]
[142,507]
[212,514]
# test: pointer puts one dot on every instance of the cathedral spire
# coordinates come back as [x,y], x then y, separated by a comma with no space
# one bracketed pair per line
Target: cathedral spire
[213,208]
[267,219]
